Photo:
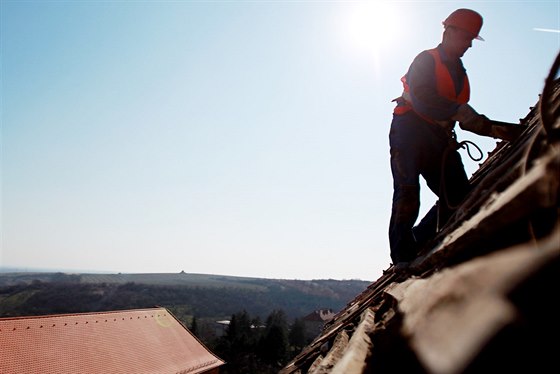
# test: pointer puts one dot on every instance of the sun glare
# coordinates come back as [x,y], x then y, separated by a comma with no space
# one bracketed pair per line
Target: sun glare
[369,27]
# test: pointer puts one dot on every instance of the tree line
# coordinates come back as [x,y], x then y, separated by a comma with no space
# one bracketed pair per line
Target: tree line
[251,347]
[42,298]
[249,344]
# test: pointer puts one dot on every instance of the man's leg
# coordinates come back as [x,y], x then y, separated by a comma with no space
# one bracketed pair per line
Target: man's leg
[426,229]
[451,193]
[406,137]
[406,205]
[456,183]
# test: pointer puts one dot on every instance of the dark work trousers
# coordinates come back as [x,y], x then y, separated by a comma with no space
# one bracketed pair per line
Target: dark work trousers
[419,148]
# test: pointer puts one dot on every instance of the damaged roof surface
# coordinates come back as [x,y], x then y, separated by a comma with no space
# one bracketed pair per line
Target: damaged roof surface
[481,295]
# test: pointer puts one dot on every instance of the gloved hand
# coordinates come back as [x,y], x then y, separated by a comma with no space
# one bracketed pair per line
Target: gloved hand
[508,132]
[481,125]
[470,120]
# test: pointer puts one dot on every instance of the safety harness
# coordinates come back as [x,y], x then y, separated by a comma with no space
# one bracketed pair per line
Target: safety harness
[444,85]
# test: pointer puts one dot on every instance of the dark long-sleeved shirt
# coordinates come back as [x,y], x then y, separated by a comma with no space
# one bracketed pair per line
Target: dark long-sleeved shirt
[421,79]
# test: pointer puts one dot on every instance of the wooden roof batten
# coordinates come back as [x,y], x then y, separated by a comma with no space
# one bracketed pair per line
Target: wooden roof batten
[477,298]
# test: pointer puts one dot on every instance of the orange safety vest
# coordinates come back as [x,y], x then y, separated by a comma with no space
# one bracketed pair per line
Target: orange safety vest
[444,84]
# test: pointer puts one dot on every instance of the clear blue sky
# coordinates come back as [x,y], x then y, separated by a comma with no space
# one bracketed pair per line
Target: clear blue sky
[243,138]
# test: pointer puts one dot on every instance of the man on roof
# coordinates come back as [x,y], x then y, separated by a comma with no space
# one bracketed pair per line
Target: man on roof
[422,138]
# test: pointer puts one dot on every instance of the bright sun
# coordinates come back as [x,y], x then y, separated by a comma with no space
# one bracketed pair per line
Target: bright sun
[368,27]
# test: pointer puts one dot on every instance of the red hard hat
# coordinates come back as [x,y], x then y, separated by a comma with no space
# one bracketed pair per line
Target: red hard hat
[465,19]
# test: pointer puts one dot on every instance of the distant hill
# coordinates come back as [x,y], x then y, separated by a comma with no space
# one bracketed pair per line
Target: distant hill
[188,295]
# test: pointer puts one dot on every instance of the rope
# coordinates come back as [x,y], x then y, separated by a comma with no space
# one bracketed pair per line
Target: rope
[465,144]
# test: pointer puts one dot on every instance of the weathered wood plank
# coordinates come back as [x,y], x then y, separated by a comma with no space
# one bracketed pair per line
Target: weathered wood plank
[538,188]
[355,357]
[450,316]
[325,365]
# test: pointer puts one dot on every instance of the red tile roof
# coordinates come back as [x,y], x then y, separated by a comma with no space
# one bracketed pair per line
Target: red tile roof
[134,341]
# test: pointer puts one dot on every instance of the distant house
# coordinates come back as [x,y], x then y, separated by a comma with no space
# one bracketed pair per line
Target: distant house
[132,341]
[316,320]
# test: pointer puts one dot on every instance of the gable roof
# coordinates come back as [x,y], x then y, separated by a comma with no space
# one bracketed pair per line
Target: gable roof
[481,295]
[133,341]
